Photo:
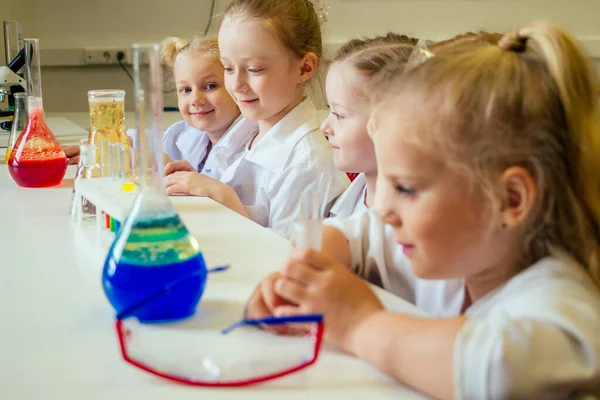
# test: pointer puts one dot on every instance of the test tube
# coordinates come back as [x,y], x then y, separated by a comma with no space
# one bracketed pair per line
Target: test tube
[132,165]
[114,159]
[110,162]
[308,229]
[129,183]
[122,166]
[104,157]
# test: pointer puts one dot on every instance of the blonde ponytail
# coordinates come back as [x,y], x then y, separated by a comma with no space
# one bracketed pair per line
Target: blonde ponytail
[173,46]
[571,69]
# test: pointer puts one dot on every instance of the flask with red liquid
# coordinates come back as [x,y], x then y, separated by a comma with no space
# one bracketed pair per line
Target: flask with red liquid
[37,159]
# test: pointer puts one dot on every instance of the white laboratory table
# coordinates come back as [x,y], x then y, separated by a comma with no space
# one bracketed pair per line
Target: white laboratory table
[57,338]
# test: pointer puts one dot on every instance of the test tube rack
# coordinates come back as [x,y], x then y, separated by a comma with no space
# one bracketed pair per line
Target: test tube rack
[112,204]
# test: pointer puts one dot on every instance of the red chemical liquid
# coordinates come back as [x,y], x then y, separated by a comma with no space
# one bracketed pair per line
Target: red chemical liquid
[39,173]
[37,160]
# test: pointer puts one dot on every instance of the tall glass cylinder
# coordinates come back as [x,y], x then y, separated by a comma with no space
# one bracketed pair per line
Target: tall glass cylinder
[153,249]
[36,159]
[34,70]
[107,119]
[13,41]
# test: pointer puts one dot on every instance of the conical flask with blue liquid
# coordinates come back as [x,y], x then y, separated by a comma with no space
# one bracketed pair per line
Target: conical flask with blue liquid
[153,248]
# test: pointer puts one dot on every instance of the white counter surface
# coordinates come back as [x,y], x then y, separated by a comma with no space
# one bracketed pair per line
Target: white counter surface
[57,338]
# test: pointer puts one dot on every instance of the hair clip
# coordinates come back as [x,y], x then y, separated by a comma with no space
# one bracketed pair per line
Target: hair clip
[321,10]
[420,54]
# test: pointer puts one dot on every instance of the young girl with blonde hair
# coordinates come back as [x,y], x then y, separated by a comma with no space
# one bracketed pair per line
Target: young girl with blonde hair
[271,50]
[211,133]
[349,85]
[488,174]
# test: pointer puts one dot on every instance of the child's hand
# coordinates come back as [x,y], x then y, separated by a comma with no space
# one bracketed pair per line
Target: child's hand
[179,165]
[317,284]
[264,301]
[196,184]
[191,183]
[72,153]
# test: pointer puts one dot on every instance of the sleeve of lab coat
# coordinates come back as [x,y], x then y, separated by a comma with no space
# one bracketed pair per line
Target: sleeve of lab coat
[170,140]
[289,187]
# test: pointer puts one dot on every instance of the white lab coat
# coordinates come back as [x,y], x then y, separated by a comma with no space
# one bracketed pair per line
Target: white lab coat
[229,147]
[184,142]
[535,337]
[352,201]
[291,159]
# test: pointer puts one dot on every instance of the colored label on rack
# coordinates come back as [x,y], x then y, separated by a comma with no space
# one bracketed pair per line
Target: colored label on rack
[112,224]
[128,187]
[106,221]
[117,226]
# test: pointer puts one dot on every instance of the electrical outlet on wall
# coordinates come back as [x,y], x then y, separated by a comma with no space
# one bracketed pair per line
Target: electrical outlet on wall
[103,56]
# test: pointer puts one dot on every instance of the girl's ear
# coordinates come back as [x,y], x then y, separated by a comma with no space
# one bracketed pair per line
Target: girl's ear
[518,193]
[308,67]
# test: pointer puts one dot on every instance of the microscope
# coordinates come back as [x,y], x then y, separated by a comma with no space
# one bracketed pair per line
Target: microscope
[11,80]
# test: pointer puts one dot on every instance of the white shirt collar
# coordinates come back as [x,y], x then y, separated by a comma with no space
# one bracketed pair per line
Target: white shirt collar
[274,149]
[240,129]
[352,200]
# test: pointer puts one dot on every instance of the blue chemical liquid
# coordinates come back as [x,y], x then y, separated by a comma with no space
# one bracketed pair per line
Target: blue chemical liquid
[147,255]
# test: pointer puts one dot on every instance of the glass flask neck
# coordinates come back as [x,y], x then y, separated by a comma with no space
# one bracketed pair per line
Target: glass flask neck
[35,106]
[34,75]
[149,108]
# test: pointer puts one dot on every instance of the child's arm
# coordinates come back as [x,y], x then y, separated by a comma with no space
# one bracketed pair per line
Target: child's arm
[538,338]
[225,195]
[414,350]
[336,246]
[197,184]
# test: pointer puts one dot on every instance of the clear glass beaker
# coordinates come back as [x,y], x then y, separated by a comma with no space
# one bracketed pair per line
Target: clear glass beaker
[36,159]
[153,249]
[19,121]
[87,168]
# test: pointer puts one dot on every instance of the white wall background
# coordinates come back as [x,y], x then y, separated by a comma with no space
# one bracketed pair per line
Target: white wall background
[77,24]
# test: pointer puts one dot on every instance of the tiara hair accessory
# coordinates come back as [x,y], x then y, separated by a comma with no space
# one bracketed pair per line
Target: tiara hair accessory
[420,54]
[321,10]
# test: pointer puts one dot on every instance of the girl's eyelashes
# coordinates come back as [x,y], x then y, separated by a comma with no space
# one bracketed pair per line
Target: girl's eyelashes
[337,115]
[210,86]
[405,190]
